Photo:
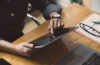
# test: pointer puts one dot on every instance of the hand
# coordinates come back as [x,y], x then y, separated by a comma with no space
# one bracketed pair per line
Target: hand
[55,23]
[24,49]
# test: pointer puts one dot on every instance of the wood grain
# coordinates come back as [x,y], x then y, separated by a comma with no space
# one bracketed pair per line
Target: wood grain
[51,54]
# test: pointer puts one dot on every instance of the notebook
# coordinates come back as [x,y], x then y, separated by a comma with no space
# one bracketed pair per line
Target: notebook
[90,27]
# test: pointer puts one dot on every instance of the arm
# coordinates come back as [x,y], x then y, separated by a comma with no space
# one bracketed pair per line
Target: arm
[6,46]
[46,7]
[19,49]
[49,10]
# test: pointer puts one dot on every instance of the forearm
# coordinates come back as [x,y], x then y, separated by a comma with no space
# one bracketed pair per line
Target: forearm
[6,46]
[19,49]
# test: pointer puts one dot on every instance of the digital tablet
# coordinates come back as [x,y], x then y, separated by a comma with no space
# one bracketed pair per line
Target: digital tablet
[47,39]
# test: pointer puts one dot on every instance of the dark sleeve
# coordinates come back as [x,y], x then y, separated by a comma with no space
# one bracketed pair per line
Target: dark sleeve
[46,7]
[1,38]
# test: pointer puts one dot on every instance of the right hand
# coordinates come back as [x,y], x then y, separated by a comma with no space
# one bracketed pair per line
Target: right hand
[24,49]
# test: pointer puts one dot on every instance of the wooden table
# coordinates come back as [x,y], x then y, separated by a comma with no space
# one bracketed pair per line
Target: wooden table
[51,54]
[75,14]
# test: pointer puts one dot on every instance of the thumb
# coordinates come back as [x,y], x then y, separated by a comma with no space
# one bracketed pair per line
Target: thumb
[29,45]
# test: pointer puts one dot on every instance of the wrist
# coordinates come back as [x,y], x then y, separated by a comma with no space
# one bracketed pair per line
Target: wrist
[15,49]
[55,15]
[11,47]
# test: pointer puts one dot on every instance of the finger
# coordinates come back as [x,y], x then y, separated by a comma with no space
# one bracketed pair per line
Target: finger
[52,26]
[59,24]
[55,23]
[62,23]
[27,51]
[53,37]
[28,45]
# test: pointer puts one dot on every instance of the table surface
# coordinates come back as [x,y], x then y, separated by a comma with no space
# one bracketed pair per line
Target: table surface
[51,54]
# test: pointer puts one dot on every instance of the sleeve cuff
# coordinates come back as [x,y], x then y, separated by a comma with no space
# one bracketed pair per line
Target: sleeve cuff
[51,8]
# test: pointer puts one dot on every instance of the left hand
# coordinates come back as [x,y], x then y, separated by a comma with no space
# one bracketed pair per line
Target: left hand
[55,23]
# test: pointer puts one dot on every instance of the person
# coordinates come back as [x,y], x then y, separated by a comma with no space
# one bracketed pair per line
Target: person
[12,15]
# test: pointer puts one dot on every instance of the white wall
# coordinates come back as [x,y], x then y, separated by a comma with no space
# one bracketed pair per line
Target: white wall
[62,3]
[95,5]
[92,4]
